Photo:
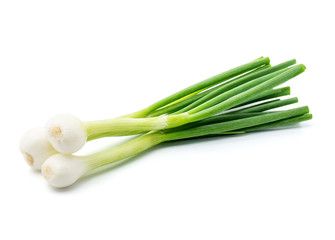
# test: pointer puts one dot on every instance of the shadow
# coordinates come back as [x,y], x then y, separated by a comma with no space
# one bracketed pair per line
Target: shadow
[35,172]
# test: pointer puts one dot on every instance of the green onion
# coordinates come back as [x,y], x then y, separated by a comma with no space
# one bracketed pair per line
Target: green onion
[247,93]
[262,75]
[234,102]
[269,94]
[237,124]
[203,85]
[173,108]
[281,123]
[62,170]
[67,134]
[269,105]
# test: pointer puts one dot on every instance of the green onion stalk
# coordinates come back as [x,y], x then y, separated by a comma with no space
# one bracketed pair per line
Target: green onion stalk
[62,170]
[248,82]
[67,134]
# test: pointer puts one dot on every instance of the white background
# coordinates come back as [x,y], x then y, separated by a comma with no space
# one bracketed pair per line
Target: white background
[102,59]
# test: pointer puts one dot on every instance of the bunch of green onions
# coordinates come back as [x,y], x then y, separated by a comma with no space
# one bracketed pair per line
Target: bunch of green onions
[234,102]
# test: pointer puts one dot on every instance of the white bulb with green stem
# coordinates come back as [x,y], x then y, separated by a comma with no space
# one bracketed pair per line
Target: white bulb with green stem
[62,170]
[68,134]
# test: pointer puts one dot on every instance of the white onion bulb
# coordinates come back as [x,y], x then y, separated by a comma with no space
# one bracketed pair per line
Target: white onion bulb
[62,170]
[35,147]
[66,133]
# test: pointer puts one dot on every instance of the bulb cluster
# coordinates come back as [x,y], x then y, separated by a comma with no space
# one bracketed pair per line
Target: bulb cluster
[49,149]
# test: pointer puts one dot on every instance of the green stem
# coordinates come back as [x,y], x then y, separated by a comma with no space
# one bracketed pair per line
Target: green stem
[173,108]
[98,129]
[281,123]
[269,105]
[128,126]
[236,124]
[123,126]
[177,106]
[266,126]
[203,85]
[147,141]
[233,92]
[244,113]
[123,151]
[212,97]
[269,94]
[211,120]
[248,94]
[185,102]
